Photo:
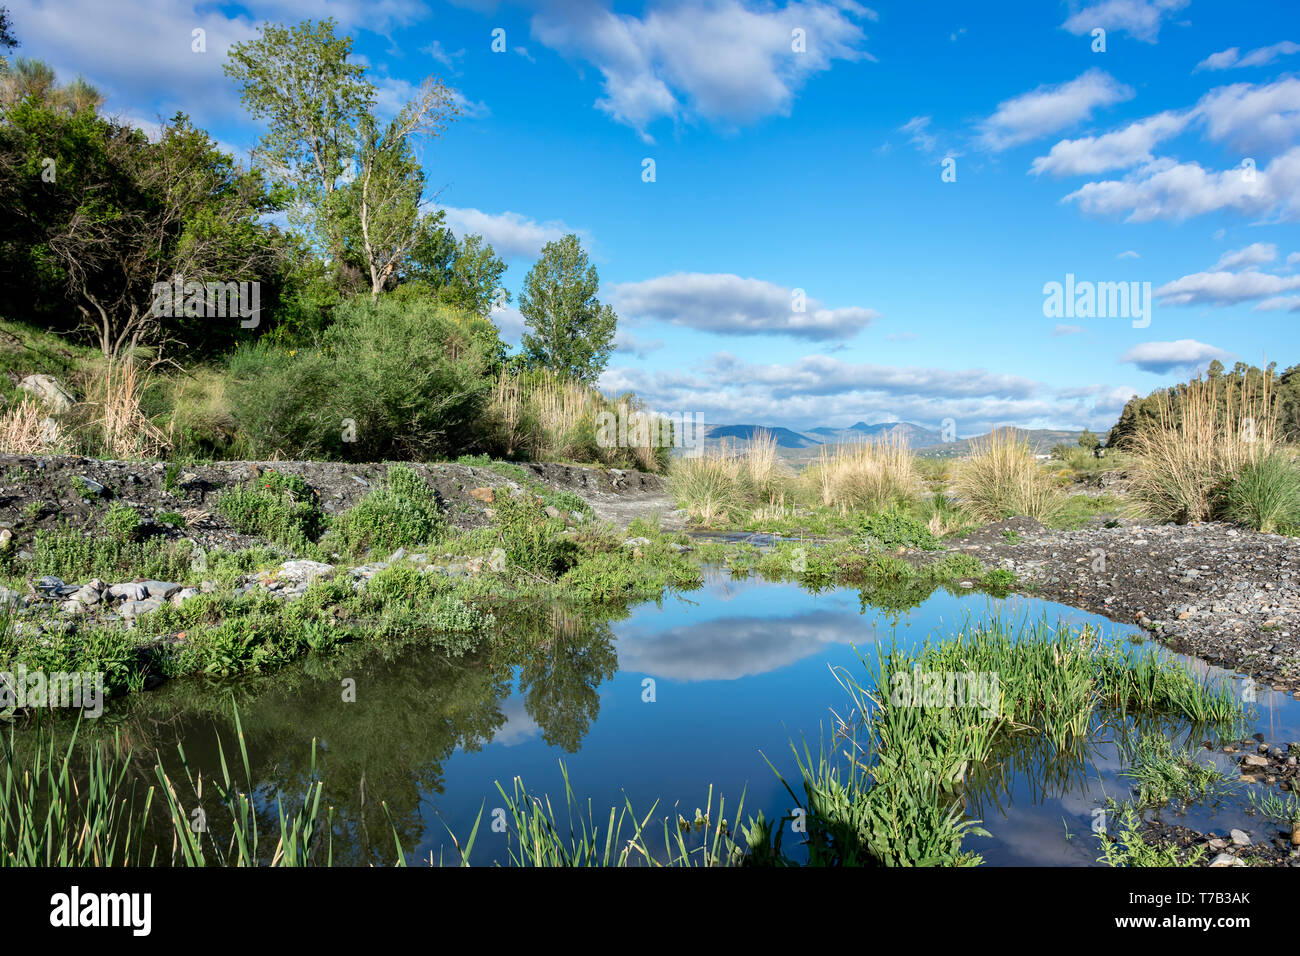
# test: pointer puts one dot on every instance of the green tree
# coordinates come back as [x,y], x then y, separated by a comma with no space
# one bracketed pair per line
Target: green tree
[569,330]
[299,81]
[1088,441]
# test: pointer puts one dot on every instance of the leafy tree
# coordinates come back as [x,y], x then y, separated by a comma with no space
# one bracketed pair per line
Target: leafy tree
[359,187]
[26,78]
[569,330]
[465,273]
[101,215]
[300,83]
[1088,441]
[7,39]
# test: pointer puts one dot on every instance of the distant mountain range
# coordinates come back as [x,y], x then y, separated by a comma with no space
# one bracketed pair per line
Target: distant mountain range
[925,441]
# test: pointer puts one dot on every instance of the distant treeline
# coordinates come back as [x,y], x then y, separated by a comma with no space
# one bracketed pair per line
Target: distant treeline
[1243,385]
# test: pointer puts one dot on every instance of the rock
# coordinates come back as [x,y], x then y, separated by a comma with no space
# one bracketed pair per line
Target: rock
[128,592]
[636,542]
[553,512]
[304,572]
[397,556]
[484,495]
[49,390]
[1224,859]
[183,595]
[1240,838]
[10,598]
[49,585]
[90,486]
[161,589]
[1254,760]
[87,594]
[187,479]
[130,610]
[497,560]
[6,538]
[1295,835]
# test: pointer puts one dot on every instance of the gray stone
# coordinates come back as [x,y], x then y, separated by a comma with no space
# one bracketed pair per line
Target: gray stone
[91,485]
[183,595]
[128,592]
[1224,859]
[161,589]
[636,542]
[49,390]
[133,609]
[1240,838]
[304,572]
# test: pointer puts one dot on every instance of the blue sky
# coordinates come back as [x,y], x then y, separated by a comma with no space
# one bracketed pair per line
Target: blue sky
[1171,158]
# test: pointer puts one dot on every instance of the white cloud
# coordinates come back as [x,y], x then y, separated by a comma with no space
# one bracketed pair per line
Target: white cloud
[511,234]
[1128,254]
[816,389]
[1255,254]
[727,61]
[1139,18]
[1068,330]
[625,341]
[1229,58]
[1250,117]
[1224,288]
[731,305]
[1118,150]
[1162,357]
[1049,109]
[1166,189]
[1276,304]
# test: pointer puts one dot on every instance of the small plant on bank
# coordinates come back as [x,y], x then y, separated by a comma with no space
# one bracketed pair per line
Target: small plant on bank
[278,507]
[173,518]
[896,529]
[1002,480]
[403,512]
[121,522]
[1265,495]
[1163,774]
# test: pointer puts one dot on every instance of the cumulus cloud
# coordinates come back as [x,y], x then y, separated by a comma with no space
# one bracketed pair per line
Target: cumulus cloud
[1049,109]
[818,389]
[731,305]
[1290,303]
[1118,150]
[1255,254]
[1068,330]
[511,234]
[1141,19]
[1163,357]
[1166,189]
[1253,117]
[1230,58]
[1224,288]
[728,61]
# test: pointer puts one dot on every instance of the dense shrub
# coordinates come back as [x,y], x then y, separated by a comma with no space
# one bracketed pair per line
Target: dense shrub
[402,513]
[389,379]
[279,507]
[1264,495]
[896,529]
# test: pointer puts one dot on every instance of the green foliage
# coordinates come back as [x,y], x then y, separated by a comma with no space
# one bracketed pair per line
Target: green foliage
[121,522]
[402,513]
[897,529]
[74,556]
[569,330]
[531,539]
[1162,774]
[389,380]
[1265,495]
[276,506]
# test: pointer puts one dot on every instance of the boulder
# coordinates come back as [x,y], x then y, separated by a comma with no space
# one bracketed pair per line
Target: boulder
[49,390]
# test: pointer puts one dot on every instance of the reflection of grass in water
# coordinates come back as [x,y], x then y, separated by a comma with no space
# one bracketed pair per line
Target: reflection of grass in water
[1162,773]
[898,794]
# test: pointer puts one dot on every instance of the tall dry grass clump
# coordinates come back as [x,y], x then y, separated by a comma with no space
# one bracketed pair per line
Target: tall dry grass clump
[26,429]
[1002,479]
[724,484]
[865,476]
[545,417]
[1199,443]
[118,424]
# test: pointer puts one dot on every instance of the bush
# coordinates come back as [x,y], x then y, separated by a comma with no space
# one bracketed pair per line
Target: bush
[1002,479]
[278,507]
[895,529]
[121,522]
[868,476]
[388,380]
[530,538]
[402,513]
[1264,495]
